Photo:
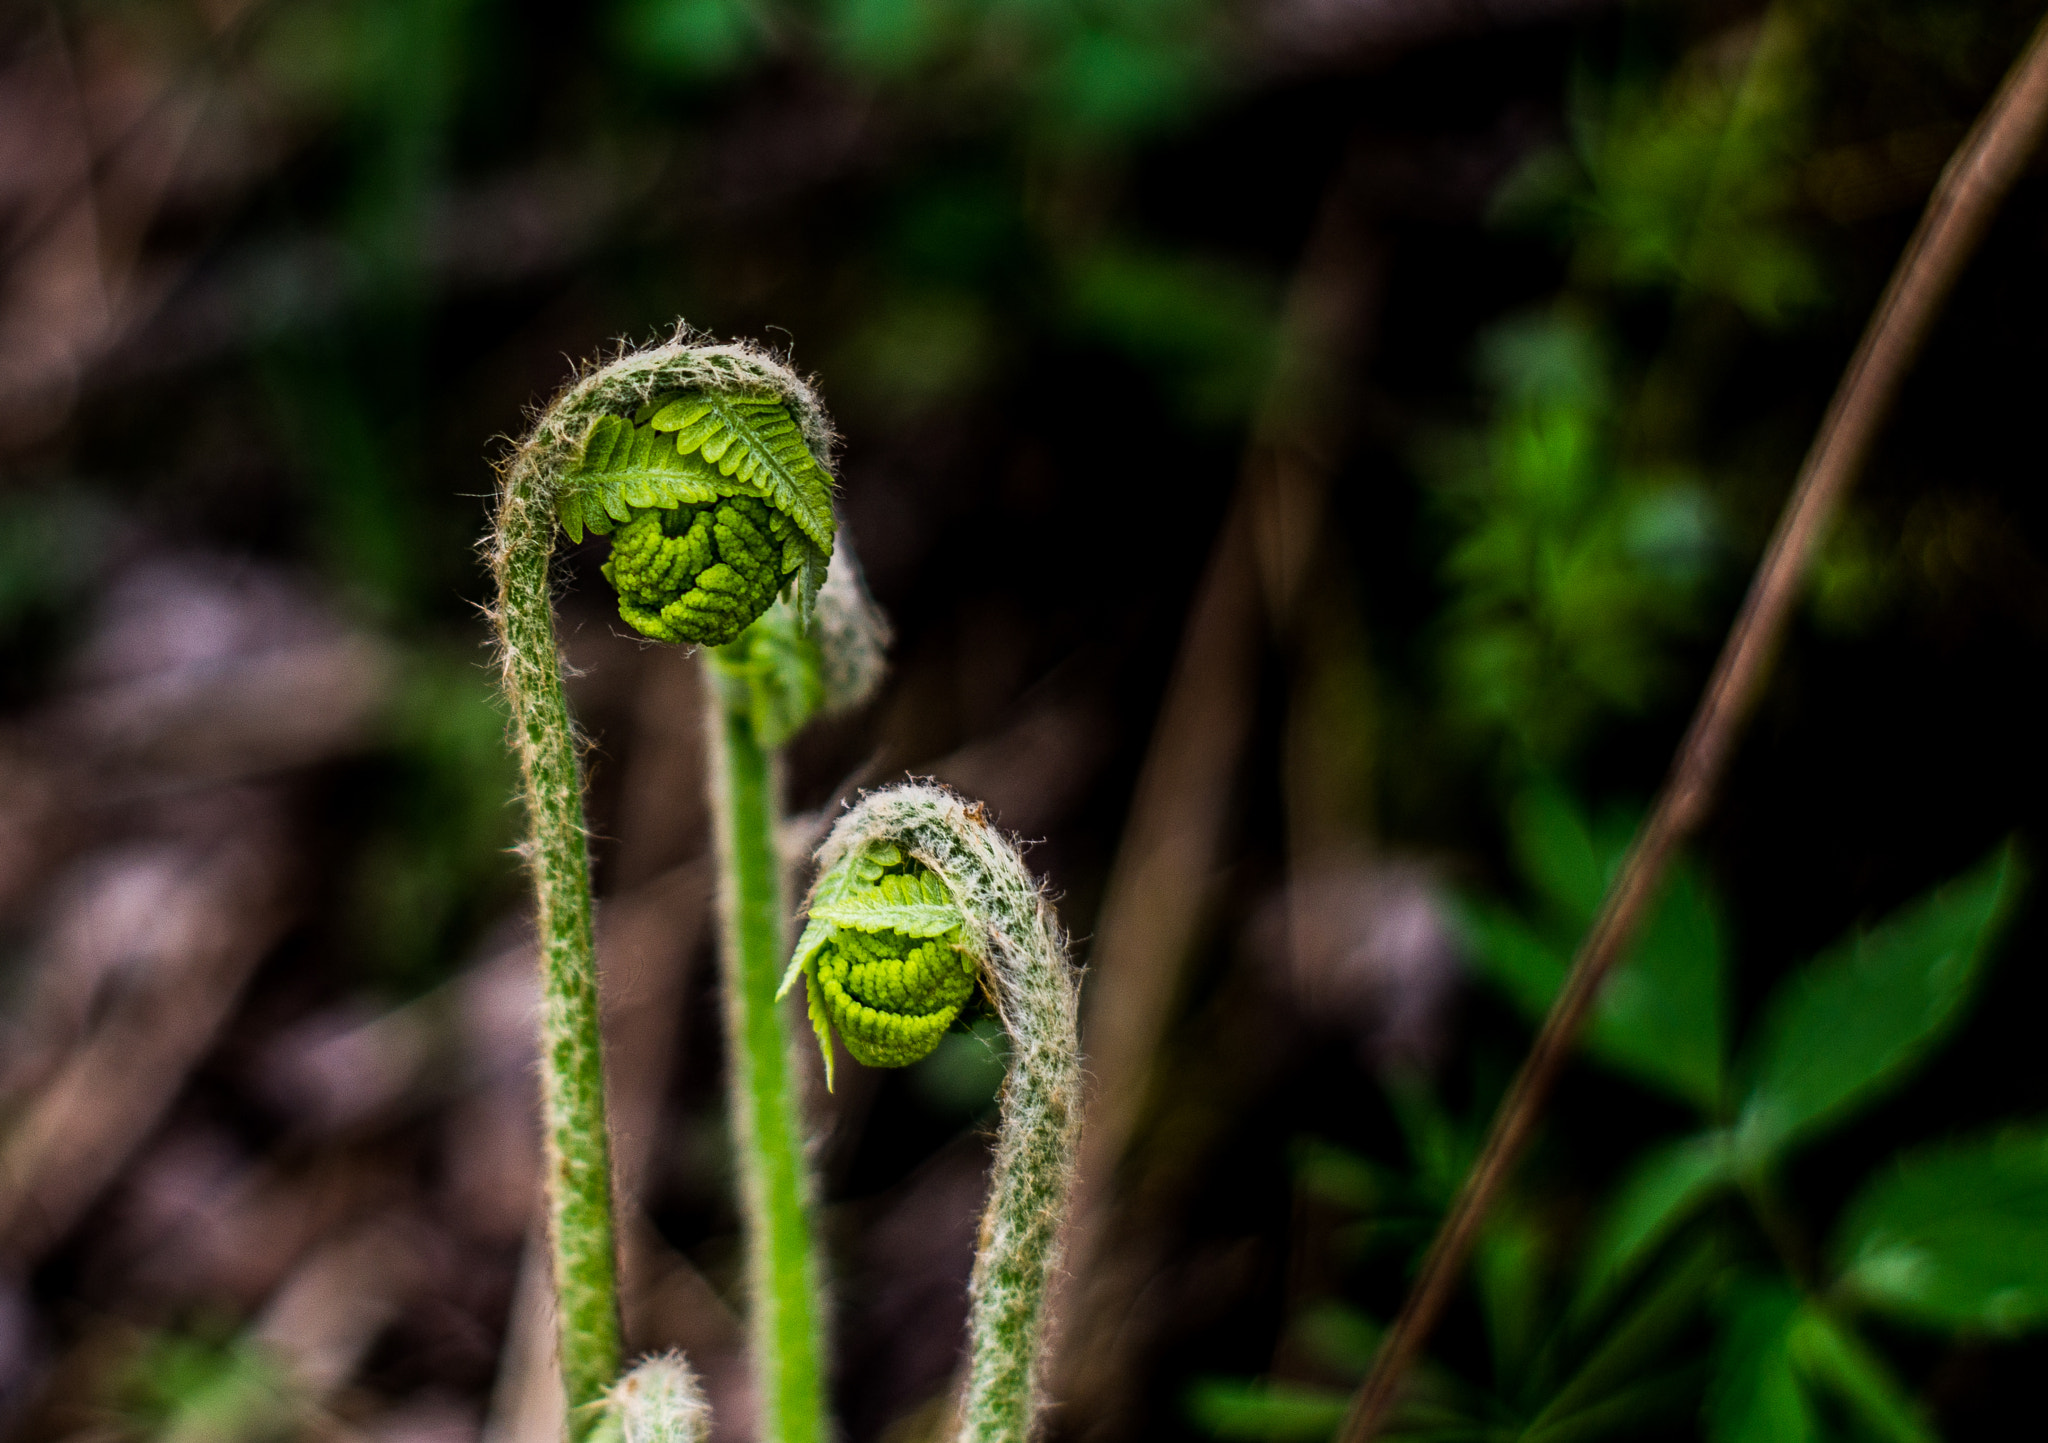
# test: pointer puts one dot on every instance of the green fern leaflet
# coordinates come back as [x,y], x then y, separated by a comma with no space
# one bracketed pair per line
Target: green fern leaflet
[718,506]
[883,959]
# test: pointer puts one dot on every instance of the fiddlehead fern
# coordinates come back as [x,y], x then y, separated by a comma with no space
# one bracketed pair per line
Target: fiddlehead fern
[718,503]
[882,959]
[708,467]
[744,439]
[965,893]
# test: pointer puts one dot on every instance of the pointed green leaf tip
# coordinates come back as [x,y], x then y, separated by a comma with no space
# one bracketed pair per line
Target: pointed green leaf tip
[717,505]
[882,959]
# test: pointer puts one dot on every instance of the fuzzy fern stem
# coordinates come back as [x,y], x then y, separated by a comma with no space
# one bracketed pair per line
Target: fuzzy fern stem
[709,462]
[782,1270]
[1005,924]
[577,1143]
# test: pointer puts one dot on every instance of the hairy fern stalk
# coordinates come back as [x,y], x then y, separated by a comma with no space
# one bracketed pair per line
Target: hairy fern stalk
[707,466]
[703,463]
[917,899]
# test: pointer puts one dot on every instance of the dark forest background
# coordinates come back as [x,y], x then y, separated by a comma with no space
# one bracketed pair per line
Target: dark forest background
[1309,451]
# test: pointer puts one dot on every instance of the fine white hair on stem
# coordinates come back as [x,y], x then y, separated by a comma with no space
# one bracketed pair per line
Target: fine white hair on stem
[660,1401]
[1023,955]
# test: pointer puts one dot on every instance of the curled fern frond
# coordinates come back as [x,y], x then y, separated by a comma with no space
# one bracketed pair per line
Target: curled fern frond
[718,504]
[883,959]
[962,883]
[709,468]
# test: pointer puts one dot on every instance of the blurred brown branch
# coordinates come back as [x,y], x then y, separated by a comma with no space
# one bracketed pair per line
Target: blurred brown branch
[1154,907]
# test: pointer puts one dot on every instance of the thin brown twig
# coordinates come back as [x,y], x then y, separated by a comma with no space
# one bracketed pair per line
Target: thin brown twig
[1968,194]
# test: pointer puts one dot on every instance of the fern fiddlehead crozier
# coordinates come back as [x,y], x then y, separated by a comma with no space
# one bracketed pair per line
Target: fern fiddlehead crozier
[962,899]
[717,504]
[882,959]
[743,439]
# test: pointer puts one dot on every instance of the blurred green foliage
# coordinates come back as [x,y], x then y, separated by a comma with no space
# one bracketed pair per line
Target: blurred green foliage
[1587,1325]
[1569,576]
[191,1388]
[1589,530]
[431,871]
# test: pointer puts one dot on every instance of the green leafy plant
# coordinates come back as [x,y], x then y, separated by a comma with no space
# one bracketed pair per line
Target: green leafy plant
[707,465]
[1696,1236]
[1570,569]
[1586,521]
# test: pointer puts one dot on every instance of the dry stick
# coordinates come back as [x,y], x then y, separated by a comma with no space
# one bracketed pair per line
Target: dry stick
[1977,178]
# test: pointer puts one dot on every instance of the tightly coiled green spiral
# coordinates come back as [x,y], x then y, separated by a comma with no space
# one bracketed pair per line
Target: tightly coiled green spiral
[883,959]
[717,506]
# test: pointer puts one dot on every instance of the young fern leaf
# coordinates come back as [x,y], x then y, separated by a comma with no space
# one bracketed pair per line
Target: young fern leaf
[718,505]
[962,890]
[882,959]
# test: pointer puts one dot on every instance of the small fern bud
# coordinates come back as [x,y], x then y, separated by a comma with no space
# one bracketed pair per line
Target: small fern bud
[703,464]
[882,958]
[658,1401]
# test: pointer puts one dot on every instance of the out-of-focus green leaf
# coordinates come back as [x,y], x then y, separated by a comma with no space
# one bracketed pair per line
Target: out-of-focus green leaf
[1339,1337]
[1340,1176]
[1694,183]
[1834,1359]
[1269,1412]
[1854,575]
[1622,1414]
[1660,1016]
[1656,1196]
[1525,964]
[1956,1237]
[1557,851]
[888,37]
[1756,1396]
[1438,1146]
[917,350]
[1205,328]
[690,39]
[1111,81]
[188,1390]
[1562,568]
[1661,1013]
[1858,1018]
[1615,1388]
[1510,1265]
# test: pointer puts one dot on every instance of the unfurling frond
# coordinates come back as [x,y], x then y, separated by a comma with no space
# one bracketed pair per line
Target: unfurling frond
[717,504]
[883,959]
[709,466]
[914,870]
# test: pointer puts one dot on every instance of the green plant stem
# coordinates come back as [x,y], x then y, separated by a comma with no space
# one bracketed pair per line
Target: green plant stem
[782,1271]
[1780,1228]
[577,1142]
